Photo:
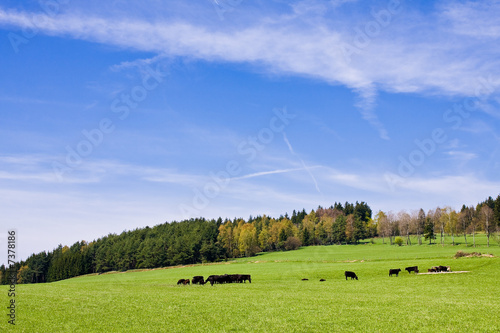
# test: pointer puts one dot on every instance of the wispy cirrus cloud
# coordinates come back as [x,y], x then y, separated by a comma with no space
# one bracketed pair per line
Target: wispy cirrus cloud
[266,173]
[395,60]
[473,18]
[461,155]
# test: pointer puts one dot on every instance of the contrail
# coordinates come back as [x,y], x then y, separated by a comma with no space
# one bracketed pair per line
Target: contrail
[288,143]
[302,161]
[264,173]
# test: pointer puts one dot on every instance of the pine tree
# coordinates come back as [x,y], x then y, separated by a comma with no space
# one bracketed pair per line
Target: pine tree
[429,230]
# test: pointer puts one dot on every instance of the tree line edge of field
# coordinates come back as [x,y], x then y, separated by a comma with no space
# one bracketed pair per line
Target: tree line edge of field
[200,240]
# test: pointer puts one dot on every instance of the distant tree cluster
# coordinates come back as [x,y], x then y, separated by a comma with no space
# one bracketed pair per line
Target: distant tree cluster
[200,240]
[168,244]
[484,217]
[324,226]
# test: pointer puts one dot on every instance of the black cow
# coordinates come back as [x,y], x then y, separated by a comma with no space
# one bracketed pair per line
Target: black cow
[234,278]
[183,281]
[394,271]
[412,269]
[304,279]
[444,268]
[246,277]
[352,275]
[228,278]
[198,280]
[321,280]
[224,279]
[212,279]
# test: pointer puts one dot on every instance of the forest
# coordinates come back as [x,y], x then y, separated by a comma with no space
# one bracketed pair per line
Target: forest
[202,241]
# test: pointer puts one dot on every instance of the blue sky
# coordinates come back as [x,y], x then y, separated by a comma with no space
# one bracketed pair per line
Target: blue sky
[126,114]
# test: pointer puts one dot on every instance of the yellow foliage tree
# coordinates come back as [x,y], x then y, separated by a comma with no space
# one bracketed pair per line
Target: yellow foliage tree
[22,274]
[248,240]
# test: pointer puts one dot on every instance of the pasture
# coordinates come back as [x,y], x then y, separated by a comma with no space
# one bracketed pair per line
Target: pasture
[277,300]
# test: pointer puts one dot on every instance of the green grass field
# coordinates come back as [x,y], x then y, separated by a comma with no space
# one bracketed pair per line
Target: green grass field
[277,300]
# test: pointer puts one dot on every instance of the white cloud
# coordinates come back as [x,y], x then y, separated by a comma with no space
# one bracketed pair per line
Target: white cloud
[442,54]
[338,3]
[477,19]
[413,53]
[461,156]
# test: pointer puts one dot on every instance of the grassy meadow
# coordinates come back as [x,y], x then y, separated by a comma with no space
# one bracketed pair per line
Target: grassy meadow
[277,300]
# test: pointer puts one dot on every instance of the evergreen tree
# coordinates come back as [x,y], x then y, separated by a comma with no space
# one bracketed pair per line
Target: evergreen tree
[200,240]
[306,237]
[429,230]
[362,211]
[359,231]
[348,209]
[496,211]
[338,230]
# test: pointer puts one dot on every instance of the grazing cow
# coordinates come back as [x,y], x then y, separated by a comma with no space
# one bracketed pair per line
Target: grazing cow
[412,269]
[305,279]
[352,275]
[235,278]
[322,280]
[198,280]
[431,270]
[181,281]
[228,278]
[212,279]
[224,279]
[394,271]
[246,277]
[444,268]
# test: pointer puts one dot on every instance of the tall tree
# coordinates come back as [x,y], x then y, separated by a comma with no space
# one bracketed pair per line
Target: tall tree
[393,226]
[451,223]
[383,227]
[472,222]
[439,223]
[464,219]
[486,214]
[429,229]
[226,237]
[362,211]
[339,230]
[264,239]
[248,240]
[327,223]
[418,221]
[349,228]
[405,225]
[496,211]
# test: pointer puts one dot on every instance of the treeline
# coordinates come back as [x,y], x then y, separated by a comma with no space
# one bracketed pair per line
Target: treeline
[200,240]
[197,241]
[163,245]
[484,217]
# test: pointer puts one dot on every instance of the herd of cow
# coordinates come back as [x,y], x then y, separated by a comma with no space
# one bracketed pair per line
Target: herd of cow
[410,269]
[212,279]
[435,269]
[240,278]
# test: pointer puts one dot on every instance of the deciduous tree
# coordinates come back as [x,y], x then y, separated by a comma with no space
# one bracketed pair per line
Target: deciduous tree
[383,227]
[405,225]
[486,214]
